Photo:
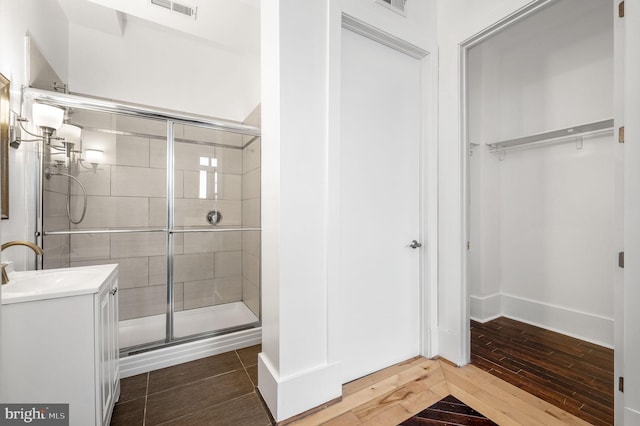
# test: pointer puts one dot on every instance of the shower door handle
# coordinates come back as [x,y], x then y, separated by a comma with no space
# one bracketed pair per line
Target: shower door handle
[414,244]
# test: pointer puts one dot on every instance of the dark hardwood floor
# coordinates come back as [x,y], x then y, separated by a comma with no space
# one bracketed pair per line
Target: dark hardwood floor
[448,411]
[569,373]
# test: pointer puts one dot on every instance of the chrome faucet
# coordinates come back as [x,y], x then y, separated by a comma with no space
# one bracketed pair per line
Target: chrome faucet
[32,246]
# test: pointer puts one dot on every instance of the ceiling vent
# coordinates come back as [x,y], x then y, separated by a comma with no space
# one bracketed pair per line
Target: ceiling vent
[395,5]
[177,7]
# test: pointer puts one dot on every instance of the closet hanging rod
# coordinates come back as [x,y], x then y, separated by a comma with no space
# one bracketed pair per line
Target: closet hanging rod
[555,135]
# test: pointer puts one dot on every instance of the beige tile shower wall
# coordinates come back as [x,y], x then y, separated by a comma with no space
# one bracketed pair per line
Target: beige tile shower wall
[251,218]
[211,179]
[129,190]
[251,187]
[56,247]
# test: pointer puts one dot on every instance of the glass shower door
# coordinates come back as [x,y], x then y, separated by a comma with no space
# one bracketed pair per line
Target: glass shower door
[176,206]
[214,231]
[119,167]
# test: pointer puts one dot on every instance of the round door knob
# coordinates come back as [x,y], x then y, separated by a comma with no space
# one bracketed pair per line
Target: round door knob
[414,244]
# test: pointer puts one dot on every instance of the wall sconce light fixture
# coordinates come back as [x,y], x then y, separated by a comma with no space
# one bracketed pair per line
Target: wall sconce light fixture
[50,120]
[93,157]
[47,117]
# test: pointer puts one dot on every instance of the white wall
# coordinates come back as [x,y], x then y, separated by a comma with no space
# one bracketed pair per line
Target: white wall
[297,368]
[233,25]
[484,226]
[457,21]
[557,257]
[47,25]
[293,368]
[158,66]
[545,215]
[549,71]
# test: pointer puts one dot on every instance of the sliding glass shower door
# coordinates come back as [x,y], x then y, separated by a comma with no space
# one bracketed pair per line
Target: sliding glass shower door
[175,205]
[216,202]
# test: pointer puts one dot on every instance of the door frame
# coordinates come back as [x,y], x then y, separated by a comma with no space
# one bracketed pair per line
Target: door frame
[464,48]
[428,185]
[465,202]
[465,146]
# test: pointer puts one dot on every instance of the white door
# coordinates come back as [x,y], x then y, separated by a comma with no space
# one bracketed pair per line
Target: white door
[379,206]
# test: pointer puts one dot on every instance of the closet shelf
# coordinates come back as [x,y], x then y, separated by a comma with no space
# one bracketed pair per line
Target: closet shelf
[555,135]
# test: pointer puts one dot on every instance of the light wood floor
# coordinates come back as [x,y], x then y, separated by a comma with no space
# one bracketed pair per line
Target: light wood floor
[390,396]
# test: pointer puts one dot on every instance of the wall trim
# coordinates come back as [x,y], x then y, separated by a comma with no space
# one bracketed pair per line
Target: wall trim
[360,27]
[592,328]
[185,352]
[485,308]
[631,416]
[289,396]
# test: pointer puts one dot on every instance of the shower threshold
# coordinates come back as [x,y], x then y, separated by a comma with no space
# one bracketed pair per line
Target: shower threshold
[139,331]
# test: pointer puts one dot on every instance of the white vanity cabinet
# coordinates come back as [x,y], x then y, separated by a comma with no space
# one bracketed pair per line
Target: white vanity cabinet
[62,346]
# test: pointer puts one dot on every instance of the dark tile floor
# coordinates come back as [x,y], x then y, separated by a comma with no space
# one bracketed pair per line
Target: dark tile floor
[218,390]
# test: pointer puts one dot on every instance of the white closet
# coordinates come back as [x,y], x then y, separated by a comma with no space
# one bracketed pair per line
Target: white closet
[543,170]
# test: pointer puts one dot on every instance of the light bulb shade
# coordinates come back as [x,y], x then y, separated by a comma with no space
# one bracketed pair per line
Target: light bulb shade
[69,133]
[93,156]
[47,116]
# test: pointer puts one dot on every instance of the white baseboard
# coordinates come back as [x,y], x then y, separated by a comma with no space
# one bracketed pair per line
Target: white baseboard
[589,327]
[289,396]
[185,352]
[485,308]
[449,346]
[631,416]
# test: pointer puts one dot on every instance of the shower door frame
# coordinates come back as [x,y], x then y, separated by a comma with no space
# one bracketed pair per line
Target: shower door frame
[171,118]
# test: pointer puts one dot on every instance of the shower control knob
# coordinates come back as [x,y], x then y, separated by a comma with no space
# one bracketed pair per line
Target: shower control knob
[414,244]
[214,216]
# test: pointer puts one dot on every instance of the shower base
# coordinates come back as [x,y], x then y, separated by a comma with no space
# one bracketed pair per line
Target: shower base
[139,331]
[187,323]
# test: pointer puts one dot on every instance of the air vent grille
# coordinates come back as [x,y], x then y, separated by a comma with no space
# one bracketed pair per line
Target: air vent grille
[162,3]
[395,5]
[177,7]
[184,9]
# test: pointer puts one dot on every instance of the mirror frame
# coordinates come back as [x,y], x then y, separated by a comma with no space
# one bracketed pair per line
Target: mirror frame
[5,108]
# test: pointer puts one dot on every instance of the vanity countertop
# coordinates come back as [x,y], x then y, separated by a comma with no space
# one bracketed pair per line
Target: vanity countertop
[28,286]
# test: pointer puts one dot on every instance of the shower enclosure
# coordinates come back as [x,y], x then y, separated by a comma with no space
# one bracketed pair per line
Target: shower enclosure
[173,199]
